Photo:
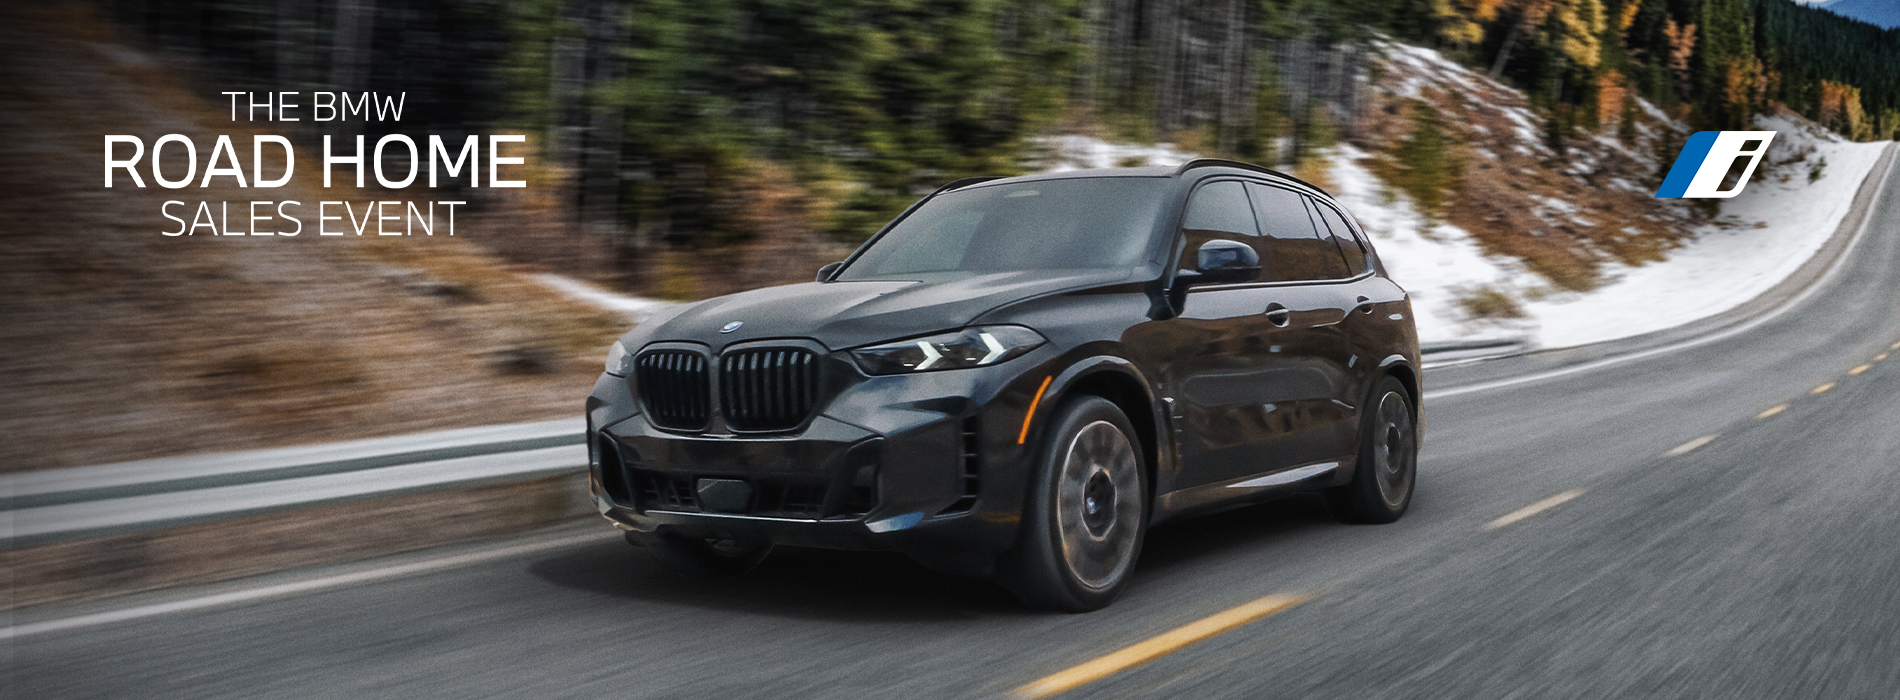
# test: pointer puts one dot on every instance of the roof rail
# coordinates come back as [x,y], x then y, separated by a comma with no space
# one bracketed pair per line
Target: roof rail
[965,182]
[1225,163]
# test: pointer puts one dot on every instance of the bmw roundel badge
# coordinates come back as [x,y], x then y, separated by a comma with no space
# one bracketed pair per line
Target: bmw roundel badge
[730,327]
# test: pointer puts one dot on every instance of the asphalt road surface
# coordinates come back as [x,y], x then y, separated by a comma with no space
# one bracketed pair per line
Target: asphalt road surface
[1717,520]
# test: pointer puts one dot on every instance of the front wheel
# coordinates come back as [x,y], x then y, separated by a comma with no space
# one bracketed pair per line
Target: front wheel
[1387,468]
[1087,512]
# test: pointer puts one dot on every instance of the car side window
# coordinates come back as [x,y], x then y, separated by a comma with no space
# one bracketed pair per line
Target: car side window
[1296,250]
[1218,210]
[1349,245]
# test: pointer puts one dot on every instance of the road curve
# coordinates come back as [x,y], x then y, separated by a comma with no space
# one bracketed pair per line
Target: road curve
[1716,521]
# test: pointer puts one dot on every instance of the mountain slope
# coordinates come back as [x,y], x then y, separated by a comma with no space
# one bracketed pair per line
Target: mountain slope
[118,343]
[1561,242]
[1882,13]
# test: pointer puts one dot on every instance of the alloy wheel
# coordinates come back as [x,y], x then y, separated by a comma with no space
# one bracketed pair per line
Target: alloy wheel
[1098,505]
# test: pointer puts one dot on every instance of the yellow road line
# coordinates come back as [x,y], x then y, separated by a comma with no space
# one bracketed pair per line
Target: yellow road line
[1882,357]
[1158,646]
[1772,410]
[1822,389]
[1533,509]
[1895,346]
[1855,372]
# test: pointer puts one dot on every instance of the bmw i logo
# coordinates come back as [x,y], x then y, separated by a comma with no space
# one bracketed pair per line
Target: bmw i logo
[730,327]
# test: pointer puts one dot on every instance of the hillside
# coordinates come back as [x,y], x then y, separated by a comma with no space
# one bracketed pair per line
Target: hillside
[119,343]
[1563,245]
[1519,240]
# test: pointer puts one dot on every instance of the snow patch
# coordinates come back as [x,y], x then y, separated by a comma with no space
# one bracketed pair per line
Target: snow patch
[1075,152]
[1766,233]
[636,309]
[1781,226]
[1773,228]
[1435,264]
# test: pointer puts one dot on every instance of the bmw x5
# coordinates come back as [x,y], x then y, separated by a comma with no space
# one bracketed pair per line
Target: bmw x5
[1017,377]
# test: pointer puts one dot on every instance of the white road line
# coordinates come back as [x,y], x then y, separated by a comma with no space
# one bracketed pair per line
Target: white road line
[1534,508]
[1690,446]
[283,589]
[1840,262]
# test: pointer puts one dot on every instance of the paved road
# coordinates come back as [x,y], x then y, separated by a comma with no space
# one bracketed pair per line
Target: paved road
[1763,563]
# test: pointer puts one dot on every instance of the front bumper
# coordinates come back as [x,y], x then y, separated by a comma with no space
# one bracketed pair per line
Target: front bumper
[924,464]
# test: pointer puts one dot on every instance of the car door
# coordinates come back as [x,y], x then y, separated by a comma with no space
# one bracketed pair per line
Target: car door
[1378,320]
[1210,355]
[1246,373]
[1306,383]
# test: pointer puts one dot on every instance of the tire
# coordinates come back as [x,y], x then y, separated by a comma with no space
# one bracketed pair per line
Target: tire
[1386,471]
[1086,514]
[705,558]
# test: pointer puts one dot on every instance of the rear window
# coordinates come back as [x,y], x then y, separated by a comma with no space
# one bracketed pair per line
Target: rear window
[1297,249]
[1078,223]
[1348,243]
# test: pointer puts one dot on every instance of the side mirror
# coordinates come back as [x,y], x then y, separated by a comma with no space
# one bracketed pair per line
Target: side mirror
[824,273]
[1221,261]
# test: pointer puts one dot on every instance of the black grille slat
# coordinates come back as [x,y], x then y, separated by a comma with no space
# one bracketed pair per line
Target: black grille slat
[760,389]
[767,389]
[673,385]
[773,496]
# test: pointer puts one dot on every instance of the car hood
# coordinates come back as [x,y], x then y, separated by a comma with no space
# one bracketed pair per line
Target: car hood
[847,314]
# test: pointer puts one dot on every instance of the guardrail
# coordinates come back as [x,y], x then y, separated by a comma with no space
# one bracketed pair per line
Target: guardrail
[113,499]
[107,499]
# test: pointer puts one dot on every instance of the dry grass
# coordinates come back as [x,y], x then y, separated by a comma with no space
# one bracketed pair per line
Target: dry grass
[1506,185]
[1488,303]
[120,343]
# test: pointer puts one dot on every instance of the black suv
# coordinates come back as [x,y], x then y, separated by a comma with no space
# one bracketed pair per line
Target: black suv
[1017,376]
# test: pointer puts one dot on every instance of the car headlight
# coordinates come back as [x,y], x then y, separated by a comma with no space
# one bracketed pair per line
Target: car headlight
[617,357]
[971,347]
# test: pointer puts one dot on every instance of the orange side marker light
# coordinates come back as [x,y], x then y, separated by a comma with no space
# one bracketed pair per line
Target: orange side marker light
[1024,436]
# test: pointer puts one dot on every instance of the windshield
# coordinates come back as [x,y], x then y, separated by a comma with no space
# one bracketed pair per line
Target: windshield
[1079,223]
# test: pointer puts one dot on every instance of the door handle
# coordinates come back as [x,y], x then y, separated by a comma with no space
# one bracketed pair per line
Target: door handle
[1278,315]
[1363,305]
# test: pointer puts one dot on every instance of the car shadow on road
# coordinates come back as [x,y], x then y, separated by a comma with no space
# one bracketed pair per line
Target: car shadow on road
[884,587]
[1219,535]
[793,582]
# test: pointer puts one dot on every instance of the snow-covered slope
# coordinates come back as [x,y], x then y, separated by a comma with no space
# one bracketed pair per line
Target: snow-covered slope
[1593,196]
[1762,236]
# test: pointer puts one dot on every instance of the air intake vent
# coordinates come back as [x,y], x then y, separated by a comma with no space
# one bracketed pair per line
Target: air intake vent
[802,498]
[972,467]
[613,470]
[767,389]
[674,387]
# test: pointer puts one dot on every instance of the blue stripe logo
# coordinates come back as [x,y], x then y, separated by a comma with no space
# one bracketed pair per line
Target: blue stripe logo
[1709,158]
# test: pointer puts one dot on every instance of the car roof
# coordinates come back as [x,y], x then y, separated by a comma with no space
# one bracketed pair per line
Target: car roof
[1146,171]
[1224,166]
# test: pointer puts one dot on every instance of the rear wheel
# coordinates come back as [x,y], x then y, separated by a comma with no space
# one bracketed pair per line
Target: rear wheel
[1087,512]
[700,558]
[1387,468]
